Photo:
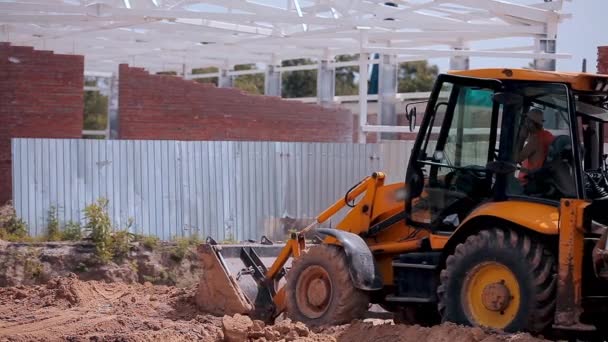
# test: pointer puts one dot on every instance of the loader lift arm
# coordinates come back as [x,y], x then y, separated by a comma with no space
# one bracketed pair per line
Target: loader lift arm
[269,301]
[268,307]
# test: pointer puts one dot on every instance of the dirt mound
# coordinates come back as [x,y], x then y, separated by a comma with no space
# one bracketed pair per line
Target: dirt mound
[74,310]
[70,309]
[364,332]
[239,328]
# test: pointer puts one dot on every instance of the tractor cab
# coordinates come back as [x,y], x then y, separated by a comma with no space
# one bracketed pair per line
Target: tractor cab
[500,134]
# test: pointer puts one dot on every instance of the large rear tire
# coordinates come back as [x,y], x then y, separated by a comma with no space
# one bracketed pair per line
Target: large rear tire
[500,279]
[319,290]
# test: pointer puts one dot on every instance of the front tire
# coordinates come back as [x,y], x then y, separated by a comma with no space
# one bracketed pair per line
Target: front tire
[500,279]
[319,290]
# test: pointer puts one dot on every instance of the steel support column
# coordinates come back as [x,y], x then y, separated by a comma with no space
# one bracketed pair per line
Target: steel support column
[113,122]
[387,92]
[363,71]
[326,83]
[546,46]
[225,80]
[272,81]
[459,62]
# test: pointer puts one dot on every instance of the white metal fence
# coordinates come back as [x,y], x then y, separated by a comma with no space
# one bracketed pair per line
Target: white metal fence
[227,190]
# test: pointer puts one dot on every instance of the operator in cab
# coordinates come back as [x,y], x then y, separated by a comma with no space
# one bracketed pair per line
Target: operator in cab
[532,143]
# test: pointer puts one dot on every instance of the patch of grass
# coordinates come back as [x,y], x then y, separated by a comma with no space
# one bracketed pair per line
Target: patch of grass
[150,242]
[182,246]
[162,278]
[229,240]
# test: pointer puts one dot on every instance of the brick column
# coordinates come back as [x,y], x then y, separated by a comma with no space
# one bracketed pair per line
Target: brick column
[602,59]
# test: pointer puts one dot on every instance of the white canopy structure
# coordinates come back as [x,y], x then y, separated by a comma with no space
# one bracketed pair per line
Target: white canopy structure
[179,35]
[166,34]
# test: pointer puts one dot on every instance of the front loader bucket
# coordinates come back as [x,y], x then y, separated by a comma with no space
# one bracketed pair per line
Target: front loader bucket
[218,291]
[233,281]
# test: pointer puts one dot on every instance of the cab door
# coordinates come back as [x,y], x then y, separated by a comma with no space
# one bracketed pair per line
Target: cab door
[447,174]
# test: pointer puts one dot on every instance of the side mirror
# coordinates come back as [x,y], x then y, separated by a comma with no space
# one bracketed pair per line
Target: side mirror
[411,118]
[410,113]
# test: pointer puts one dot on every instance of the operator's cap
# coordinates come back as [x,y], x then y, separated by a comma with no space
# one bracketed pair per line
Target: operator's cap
[536,115]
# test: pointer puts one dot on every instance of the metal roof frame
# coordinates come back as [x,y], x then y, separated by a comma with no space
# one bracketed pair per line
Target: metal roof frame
[162,35]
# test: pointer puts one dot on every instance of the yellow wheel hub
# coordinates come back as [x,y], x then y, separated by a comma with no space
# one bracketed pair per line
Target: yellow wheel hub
[491,295]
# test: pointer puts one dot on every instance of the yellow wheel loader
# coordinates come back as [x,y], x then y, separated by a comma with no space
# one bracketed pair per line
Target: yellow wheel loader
[501,220]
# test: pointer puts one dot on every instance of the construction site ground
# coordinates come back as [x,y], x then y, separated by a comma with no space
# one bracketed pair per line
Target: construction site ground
[69,309]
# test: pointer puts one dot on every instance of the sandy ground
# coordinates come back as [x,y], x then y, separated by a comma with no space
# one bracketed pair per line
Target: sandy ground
[67,309]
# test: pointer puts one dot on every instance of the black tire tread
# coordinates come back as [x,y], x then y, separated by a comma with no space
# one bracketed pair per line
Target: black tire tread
[349,302]
[541,268]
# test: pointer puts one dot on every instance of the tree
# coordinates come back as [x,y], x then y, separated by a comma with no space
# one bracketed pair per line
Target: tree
[250,83]
[253,84]
[207,70]
[301,83]
[345,76]
[416,76]
[95,114]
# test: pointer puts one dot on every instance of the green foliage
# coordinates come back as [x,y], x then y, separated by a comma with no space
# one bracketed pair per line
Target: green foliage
[33,267]
[167,73]
[182,246]
[53,232]
[121,244]
[108,244]
[95,110]
[229,240]
[12,228]
[150,242]
[99,228]
[345,76]
[301,83]
[253,84]
[71,232]
[81,268]
[416,76]
[209,70]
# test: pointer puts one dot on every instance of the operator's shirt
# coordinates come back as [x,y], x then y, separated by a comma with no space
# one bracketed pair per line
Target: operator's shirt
[544,139]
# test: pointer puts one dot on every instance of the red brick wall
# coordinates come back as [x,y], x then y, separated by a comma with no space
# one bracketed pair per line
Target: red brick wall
[602,59]
[167,107]
[40,96]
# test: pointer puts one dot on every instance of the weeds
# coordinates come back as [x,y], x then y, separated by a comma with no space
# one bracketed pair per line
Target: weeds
[229,240]
[53,233]
[71,232]
[12,228]
[182,246]
[99,228]
[32,267]
[121,244]
[109,245]
[150,242]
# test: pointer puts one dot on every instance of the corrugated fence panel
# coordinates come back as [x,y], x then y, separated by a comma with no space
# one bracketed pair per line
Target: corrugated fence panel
[230,190]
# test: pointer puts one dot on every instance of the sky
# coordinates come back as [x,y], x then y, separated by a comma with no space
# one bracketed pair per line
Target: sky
[578,36]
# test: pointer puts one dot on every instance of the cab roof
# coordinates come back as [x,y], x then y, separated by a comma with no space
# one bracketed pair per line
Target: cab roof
[578,80]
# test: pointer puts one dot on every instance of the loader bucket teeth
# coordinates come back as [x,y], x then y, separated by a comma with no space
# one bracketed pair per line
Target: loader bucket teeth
[218,292]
